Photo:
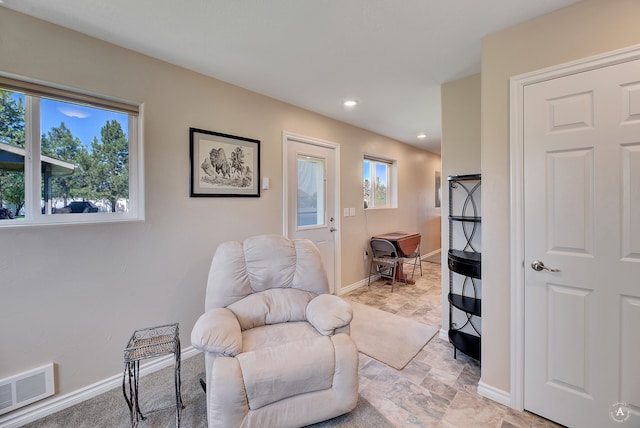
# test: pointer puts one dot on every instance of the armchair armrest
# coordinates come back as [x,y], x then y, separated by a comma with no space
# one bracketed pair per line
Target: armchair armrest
[327,313]
[217,331]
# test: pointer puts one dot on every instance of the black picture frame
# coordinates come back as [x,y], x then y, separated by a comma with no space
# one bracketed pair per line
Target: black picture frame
[223,165]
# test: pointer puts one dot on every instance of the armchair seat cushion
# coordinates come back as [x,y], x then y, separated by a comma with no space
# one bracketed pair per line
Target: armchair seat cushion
[276,334]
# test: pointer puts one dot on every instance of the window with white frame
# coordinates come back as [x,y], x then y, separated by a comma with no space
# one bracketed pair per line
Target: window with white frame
[66,157]
[379,182]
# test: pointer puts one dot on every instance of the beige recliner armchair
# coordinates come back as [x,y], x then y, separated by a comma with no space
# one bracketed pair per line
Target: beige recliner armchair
[277,346]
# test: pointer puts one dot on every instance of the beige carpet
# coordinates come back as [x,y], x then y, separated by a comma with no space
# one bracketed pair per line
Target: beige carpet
[386,337]
[157,401]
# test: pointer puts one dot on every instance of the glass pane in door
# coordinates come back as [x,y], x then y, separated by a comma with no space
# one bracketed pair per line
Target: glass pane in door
[311,191]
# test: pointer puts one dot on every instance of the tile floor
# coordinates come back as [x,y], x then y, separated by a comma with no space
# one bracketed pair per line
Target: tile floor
[434,389]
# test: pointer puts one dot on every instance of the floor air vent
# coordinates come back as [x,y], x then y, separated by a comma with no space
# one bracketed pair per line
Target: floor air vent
[25,388]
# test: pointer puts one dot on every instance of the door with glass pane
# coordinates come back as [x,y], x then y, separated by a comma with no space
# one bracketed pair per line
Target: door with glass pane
[310,203]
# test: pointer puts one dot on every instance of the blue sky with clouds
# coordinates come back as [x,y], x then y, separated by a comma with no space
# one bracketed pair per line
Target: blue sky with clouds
[84,122]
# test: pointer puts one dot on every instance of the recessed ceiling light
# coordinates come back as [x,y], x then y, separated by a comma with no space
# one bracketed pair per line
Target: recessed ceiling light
[422,136]
[350,103]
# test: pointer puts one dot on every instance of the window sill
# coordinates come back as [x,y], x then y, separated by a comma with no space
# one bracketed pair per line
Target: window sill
[380,208]
[77,220]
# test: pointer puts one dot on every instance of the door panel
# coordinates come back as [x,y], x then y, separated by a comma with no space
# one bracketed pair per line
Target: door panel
[631,202]
[567,338]
[582,217]
[630,102]
[570,203]
[571,112]
[630,351]
[311,199]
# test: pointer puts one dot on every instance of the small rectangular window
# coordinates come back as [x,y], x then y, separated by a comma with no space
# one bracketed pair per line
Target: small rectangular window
[66,157]
[378,182]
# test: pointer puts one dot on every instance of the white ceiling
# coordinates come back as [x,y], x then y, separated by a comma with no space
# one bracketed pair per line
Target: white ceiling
[390,55]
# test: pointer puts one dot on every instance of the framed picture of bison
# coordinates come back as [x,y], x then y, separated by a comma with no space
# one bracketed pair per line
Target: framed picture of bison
[223,165]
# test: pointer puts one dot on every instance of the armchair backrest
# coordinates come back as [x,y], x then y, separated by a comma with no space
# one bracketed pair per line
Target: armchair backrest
[261,263]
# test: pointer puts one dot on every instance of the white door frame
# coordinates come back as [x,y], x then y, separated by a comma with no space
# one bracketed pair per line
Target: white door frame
[516,138]
[286,136]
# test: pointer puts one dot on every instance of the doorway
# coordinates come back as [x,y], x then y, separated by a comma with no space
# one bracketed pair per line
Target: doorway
[311,197]
[575,147]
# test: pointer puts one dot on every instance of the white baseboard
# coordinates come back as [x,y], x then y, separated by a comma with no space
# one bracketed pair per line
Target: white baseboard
[356,285]
[444,334]
[433,253]
[495,394]
[41,409]
[363,282]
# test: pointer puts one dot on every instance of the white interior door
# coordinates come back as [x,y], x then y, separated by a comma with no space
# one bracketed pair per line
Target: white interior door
[582,217]
[311,197]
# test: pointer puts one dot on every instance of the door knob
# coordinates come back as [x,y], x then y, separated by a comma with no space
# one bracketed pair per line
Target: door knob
[332,229]
[537,265]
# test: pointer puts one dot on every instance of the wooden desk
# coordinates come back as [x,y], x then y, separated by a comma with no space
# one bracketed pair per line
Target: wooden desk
[405,243]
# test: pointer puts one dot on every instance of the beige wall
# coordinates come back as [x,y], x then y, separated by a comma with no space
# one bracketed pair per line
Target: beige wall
[585,29]
[74,294]
[461,126]
[460,150]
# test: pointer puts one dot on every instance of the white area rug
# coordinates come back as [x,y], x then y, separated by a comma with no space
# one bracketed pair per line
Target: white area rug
[386,337]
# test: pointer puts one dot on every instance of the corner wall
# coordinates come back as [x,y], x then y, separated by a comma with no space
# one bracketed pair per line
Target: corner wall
[73,294]
[460,153]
